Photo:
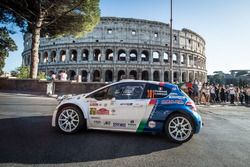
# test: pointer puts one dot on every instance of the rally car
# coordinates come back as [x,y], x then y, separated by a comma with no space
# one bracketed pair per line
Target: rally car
[132,106]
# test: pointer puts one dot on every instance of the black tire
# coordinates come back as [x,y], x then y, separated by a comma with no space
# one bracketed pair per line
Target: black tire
[176,137]
[77,115]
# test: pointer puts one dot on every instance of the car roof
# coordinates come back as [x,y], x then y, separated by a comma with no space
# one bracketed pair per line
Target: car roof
[167,84]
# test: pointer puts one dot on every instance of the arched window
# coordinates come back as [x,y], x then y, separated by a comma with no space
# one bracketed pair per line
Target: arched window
[156,57]
[156,76]
[144,75]
[62,56]
[85,55]
[165,57]
[182,59]
[97,55]
[108,76]
[109,55]
[96,76]
[73,55]
[133,74]
[72,75]
[144,55]
[133,55]
[176,76]
[166,76]
[121,55]
[121,75]
[45,57]
[53,56]
[174,58]
[84,76]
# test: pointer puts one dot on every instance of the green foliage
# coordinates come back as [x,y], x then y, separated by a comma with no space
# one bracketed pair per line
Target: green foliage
[53,18]
[6,45]
[41,75]
[241,73]
[23,72]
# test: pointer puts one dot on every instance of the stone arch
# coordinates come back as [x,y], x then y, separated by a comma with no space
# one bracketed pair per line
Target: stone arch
[156,56]
[156,76]
[175,76]
[109,55]
[84,76]
[133,55]
[96,76]
[183,77]
[144,55]
[133,74]
[62,56]
[71,75]
[45,57]
[191,77]
[165,57]
[97,55]
[145,75]
[166,76]
[53,56]
[85,55]
[108,76]
[121,55]
[121,75]
[73,55]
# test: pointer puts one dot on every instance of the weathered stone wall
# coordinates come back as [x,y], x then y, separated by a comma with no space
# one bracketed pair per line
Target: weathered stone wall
[40,87]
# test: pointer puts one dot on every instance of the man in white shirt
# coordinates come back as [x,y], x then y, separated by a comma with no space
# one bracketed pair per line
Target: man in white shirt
[231,93]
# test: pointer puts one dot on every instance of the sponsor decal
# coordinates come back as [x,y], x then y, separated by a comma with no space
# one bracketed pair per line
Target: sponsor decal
[92,111]
[131,125]
[102,111]
[151,124]
[174,88]
[153,93]
[176,97]
[95,118]
[132,121]
[120,125]
[107,123]
[126,104]
[172,102]
[97,122]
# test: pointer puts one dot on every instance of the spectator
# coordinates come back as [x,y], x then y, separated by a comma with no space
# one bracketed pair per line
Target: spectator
[212,93]
[195,89]
[222,94]
[63,76]
[232,93]
[241,96]
[190,86]
[217,91]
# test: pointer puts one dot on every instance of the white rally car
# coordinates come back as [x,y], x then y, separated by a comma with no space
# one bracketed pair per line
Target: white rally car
[133,106]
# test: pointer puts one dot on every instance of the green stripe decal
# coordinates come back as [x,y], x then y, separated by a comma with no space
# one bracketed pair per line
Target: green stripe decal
[141,126]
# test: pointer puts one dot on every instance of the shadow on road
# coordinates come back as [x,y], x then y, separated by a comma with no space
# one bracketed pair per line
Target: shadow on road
[31,140]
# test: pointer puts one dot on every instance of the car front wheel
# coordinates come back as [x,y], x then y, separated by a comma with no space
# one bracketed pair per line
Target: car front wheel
[70,119]
[179,128]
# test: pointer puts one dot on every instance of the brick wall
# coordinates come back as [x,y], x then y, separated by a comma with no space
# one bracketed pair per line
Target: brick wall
[40,87]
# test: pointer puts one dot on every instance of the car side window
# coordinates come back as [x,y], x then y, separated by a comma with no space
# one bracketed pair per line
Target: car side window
[99,95]
[129,91]
[155,91]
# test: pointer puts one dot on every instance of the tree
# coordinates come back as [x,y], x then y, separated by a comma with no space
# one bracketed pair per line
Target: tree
[6,45]
[51,18]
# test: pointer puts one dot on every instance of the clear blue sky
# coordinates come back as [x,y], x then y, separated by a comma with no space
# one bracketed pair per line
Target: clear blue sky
[224,24]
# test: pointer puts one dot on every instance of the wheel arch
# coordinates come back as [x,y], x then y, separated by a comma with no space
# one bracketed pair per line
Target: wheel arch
[74,105]
[180,112]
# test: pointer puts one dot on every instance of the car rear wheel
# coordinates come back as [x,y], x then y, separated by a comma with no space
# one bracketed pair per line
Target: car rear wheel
[70,119]
[179,128]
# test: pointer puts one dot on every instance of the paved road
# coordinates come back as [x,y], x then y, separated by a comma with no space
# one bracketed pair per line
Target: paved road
[26,138]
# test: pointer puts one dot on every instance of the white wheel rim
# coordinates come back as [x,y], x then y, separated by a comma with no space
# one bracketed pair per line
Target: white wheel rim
[68,120]
[180,128]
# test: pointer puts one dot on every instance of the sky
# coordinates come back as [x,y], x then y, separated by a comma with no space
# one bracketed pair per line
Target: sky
[224,24]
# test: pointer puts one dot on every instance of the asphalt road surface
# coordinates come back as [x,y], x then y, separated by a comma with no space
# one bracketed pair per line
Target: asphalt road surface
[27,139]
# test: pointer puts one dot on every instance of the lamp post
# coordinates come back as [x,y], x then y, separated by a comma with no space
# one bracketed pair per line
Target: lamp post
[171,44]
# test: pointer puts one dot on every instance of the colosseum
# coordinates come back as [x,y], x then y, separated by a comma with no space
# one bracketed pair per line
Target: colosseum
[119,47]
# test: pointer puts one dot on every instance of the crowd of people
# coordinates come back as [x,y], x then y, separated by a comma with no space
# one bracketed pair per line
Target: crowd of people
[216,93]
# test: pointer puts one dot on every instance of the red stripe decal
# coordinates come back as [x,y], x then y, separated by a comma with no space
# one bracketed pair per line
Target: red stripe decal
[152,102]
